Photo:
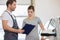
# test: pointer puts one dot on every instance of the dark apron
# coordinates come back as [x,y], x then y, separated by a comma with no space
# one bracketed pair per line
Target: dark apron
[11,35]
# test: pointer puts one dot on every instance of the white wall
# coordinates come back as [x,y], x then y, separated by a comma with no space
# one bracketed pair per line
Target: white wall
[46,9]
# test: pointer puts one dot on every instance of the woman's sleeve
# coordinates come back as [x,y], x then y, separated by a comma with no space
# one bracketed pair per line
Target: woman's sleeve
[39,21]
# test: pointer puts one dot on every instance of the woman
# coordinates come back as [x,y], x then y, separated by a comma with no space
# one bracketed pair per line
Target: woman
[31,19]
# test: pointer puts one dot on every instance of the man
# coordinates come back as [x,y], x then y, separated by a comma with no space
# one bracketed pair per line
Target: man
[9,22]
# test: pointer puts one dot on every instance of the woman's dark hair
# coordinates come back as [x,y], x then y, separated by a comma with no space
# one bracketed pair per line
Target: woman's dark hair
[31,7]
[10,2]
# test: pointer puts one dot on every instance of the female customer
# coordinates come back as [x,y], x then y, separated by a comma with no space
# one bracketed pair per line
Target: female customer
[31,19]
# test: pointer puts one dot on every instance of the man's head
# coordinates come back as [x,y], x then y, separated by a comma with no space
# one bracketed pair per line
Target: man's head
[11,4]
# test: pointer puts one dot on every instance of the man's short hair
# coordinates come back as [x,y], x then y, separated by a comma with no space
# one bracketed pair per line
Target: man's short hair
[10,2]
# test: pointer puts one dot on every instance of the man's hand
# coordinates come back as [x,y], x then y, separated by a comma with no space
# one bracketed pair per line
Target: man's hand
[20,31]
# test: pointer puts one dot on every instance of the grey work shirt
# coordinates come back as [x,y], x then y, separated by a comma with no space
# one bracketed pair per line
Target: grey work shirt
[33,35]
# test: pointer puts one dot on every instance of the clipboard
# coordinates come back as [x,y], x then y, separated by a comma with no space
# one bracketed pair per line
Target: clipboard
[28,28]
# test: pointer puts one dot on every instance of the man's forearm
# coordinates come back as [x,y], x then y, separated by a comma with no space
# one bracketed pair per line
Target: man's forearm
[11,29]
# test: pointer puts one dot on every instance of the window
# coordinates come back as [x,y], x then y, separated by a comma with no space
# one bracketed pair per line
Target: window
[21,10]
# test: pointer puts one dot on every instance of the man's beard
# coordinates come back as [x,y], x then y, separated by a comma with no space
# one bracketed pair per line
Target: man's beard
[12,9]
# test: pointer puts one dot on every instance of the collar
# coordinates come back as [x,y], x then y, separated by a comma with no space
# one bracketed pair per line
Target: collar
[9,11]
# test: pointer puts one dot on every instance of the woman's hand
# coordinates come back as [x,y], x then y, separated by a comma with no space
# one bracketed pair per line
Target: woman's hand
[42,38]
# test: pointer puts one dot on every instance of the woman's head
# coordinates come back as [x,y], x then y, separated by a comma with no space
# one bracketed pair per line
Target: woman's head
[31,11]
